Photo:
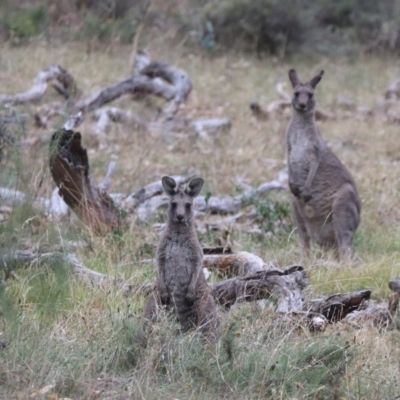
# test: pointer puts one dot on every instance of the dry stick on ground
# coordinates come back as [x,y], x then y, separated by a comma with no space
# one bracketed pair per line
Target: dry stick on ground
[65,84]
[69,166]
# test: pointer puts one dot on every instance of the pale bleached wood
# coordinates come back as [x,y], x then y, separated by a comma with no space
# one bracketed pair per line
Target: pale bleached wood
[233,204]
[149,191]
[174,87]
[393,91]
[105,183]
[285,285]
[213,204]
[241,263]
[66,84]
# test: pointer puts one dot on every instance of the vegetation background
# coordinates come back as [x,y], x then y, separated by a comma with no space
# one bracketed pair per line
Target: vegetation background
[71,340]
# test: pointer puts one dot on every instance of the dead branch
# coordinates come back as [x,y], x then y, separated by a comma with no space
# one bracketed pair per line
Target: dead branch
[69,166]
[225,222]
[233,204]
[337,306]
[285,285]
[65,84]
[21,258]
[106,115]
[178,79]
[238,264]
[281,91]
[73,121]
[132,201]
[214,205]
[105,183]
[379,313]
[145,81]
[269,111]
[393,91]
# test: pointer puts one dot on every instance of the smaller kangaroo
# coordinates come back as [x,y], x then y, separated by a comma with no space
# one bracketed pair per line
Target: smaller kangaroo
[181,284]
[325,203]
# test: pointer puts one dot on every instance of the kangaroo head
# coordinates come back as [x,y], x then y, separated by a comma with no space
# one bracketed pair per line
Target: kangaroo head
[181,200]
[303,97]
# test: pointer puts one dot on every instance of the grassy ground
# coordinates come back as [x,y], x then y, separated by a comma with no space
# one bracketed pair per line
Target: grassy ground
[91,343]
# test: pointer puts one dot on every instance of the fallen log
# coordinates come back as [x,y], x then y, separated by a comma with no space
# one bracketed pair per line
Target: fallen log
[65,84]
[69,166]
[284,285]
[337,306]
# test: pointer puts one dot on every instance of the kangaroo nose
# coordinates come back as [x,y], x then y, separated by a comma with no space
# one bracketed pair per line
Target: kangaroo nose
[302,106]
[179,217]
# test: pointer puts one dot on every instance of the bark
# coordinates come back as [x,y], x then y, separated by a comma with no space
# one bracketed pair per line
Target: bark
[65,84]
[285,285]
[337,306]
[69,166]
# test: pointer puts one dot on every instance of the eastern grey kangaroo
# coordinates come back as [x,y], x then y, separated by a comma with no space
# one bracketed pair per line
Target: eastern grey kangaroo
[181,284]
[325,203]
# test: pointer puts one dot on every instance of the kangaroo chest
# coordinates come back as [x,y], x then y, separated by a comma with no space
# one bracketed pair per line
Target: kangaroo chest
[301,150]
[181,258]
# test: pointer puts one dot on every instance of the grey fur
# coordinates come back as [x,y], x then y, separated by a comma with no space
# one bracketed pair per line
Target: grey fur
[181,284]
[325,202]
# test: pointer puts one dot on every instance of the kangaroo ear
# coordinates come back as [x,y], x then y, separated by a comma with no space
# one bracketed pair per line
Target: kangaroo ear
[294,78]
[194,187]
[314,81]
[169,185]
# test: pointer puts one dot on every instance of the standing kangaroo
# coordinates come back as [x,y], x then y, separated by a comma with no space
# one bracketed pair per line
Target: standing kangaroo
[181,284]
[325,203]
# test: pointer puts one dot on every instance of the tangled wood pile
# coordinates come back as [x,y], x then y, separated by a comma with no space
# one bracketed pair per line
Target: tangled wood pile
[251,279]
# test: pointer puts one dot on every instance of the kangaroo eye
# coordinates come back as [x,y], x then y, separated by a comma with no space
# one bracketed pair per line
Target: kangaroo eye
[310,95]
[296,94]
[173,205]
[188,205]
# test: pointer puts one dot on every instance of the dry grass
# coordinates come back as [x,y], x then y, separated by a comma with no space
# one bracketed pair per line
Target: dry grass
[90,342]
